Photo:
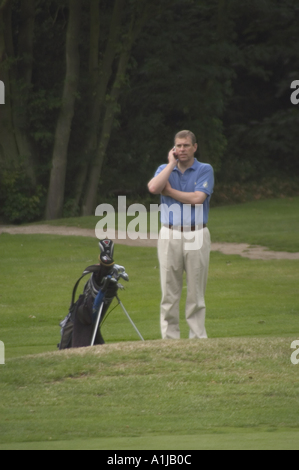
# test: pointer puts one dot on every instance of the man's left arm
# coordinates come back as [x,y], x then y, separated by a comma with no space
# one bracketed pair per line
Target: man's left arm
[197,197]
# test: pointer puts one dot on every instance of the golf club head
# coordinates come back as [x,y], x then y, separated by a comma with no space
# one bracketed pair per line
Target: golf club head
[124,276]
[119,269]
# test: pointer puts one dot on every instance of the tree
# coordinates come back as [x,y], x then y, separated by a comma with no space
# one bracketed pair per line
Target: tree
[16,73]
[180,79]
[100,72]
[62,134]
[112,97]
[8,145]
[138,18]
[260,122]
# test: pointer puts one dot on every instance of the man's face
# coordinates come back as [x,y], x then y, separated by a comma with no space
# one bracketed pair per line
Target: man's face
[185,149]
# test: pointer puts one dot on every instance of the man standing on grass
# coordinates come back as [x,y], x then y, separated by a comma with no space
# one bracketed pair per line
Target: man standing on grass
[183,183]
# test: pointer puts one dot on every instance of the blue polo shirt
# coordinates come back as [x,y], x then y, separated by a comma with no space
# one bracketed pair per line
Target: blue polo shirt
[199,177]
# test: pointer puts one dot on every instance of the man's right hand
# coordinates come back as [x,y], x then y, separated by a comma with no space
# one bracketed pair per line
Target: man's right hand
[172,157]
[159,182]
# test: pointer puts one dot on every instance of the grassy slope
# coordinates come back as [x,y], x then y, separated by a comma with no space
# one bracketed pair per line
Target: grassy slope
[155,388]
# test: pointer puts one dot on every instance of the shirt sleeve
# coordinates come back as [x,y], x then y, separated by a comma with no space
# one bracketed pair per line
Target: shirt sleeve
[160,169]
[205,184]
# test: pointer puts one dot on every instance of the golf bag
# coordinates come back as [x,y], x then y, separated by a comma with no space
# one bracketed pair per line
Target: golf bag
[78,329]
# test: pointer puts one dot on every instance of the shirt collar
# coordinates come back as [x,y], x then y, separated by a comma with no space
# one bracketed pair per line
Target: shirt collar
[193,167]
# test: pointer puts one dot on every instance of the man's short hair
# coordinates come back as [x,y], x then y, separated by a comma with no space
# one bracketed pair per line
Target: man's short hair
[184,135]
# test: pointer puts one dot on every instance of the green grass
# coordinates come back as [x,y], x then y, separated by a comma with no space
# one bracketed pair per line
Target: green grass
[244,297]
[230,439]
[154,388]
[238,389]
[272,223]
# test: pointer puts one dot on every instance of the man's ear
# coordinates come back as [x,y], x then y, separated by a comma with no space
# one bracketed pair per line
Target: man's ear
[195,147]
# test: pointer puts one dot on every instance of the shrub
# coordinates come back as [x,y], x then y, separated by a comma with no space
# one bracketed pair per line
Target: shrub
[21,202]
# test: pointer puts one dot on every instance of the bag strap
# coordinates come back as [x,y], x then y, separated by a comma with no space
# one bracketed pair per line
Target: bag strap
[90,269]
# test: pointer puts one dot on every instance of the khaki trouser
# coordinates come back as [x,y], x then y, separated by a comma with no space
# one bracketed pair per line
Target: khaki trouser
[175,257]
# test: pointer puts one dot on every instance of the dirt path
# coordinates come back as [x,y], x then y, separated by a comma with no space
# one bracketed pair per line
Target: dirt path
[242,249]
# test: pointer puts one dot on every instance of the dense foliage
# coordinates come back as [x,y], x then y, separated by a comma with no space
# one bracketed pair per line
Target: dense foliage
[95,91]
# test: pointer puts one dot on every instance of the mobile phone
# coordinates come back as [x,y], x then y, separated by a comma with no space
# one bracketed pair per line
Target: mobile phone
[174,154]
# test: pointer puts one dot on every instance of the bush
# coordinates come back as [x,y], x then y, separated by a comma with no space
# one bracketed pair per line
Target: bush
[267,188]
[20,201]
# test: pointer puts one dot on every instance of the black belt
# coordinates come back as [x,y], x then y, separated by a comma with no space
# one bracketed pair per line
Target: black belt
[192,228]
